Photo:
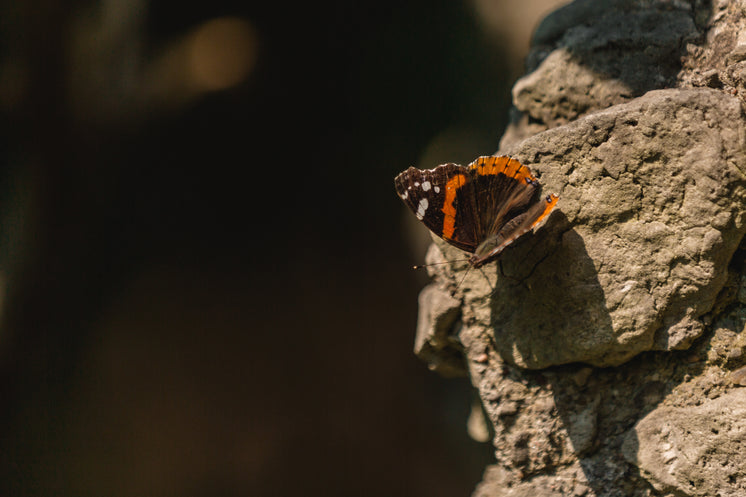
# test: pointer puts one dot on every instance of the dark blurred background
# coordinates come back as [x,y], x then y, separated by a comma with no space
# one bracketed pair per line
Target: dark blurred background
[204,269]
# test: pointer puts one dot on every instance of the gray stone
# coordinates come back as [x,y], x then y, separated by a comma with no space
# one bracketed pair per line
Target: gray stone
[693,450]
[652,207]
[581,427]
[436,342]
[620,56]
[738,377]
[554,25]
[562,88]
[566,482]
[638,257]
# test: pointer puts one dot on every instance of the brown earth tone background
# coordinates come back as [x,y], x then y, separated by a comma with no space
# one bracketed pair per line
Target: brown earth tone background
[205,270]
[205,276]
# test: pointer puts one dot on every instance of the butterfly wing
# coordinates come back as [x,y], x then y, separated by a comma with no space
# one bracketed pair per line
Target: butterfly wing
[480,208]
[437,197]
[503,187]
[510,204]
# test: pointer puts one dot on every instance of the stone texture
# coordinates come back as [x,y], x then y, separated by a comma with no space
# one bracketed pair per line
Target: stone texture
[555,435]
[632,111]
[590,54]
[562,20]
[720,61]
[652,208]
[604,63]
[436,342]
[693,450]
[569,482]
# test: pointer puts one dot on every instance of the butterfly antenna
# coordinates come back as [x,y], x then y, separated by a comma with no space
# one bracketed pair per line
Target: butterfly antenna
[453,293]
[422,266]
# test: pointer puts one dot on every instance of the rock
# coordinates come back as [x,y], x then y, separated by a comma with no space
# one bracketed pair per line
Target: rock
[719,62]
[693,450]
[554,25]
[477,425]
[588,71]
[546,97]
[435,341]
[566,482]
[652,208]
[581,427]
[581,377]
[529,436]
[640,258]
[738,377]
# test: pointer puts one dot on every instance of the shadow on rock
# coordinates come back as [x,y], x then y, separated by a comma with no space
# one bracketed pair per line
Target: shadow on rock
[550,308]
[602,53]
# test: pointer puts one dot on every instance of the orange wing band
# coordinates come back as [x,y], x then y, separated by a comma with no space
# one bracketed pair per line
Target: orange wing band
[505,165]
[449,210]
[551,202]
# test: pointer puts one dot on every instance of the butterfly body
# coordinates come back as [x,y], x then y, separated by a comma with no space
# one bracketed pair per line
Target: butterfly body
[480,208]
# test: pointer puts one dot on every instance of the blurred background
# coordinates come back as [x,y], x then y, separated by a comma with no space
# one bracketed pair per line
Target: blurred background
[205,276]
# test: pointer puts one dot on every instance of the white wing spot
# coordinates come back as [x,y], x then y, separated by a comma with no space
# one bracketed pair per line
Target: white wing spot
[426,186]
[421,208]
[404,195]
[436,189]
[416,183]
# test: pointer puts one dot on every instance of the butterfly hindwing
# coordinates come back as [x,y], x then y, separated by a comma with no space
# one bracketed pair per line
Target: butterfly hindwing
[504,188]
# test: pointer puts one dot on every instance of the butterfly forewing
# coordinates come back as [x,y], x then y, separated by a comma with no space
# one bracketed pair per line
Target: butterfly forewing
[436,196]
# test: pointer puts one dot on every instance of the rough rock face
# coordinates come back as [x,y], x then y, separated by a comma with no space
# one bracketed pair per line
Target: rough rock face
[615,51]
[620,326]
[572,430]
[652,208]
[435,343]
[589,55]
[693,450]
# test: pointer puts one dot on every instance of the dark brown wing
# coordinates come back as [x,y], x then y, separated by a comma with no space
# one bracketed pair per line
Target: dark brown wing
[503,188]
[510,204]
[438,198]
[480,208]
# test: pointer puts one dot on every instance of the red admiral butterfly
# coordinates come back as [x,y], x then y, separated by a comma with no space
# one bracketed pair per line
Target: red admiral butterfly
[481,208]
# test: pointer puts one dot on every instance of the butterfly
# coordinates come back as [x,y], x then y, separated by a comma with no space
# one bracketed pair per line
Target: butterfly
[480,208]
